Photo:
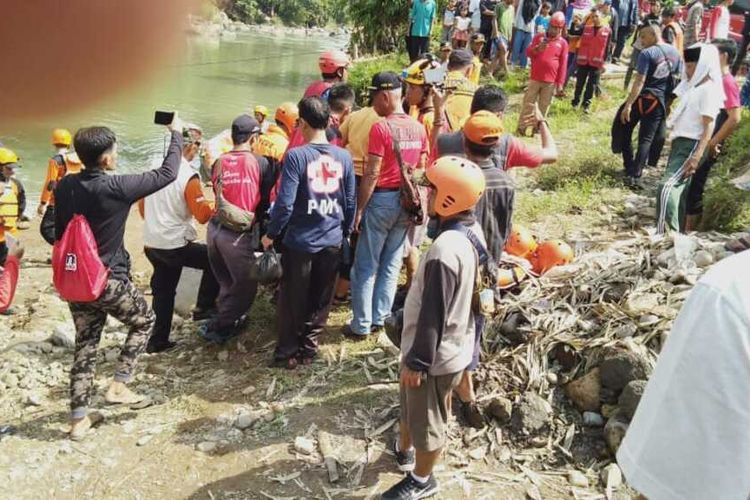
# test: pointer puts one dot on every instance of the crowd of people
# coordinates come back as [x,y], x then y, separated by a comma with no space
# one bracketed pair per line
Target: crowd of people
[349,196]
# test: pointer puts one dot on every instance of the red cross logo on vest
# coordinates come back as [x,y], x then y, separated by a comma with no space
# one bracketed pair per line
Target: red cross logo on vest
[324,175]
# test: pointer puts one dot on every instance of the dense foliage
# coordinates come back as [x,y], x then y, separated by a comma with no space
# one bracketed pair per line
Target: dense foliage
[291,12]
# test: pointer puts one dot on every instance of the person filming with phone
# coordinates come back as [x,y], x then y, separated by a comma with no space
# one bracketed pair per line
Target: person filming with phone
[104,201]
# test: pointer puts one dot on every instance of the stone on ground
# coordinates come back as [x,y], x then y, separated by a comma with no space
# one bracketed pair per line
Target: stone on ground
[620,367]
[501,409]
[630,398]
[584,391]
[578,479]
[531,414]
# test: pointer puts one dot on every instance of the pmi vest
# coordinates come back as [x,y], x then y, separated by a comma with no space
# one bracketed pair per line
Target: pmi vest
[593,46]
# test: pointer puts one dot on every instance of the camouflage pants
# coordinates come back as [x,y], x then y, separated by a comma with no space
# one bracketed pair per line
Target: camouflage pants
[123,301]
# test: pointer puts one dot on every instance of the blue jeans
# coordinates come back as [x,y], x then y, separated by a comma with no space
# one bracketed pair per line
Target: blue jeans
[521,42]
[377,261]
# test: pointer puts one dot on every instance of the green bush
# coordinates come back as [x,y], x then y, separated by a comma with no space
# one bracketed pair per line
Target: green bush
[726,208]
[362,71]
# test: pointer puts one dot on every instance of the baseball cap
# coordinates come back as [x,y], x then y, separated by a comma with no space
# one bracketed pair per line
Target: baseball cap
[460,58]
[483,128]
[243,127]
[478,37]
[385,80]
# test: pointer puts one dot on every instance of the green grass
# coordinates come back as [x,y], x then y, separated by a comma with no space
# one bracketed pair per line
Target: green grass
[362,71]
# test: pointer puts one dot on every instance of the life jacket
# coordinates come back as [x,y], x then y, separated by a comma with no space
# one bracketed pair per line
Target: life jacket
[679,36]
[593,46]
[458,104]
[9,206]
[67,164]
[320,88]
[272,144]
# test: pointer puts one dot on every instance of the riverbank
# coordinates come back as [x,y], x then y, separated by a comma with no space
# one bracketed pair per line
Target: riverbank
[225,426]
[221,26]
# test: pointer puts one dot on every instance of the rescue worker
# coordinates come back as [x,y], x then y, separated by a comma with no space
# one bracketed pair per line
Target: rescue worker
[438,332]
[461,89]
[672,31]
[260,113]
[11,253]
[62,163]
[590,59]
[334,68]
[169,240]
[13,196]
[274,142]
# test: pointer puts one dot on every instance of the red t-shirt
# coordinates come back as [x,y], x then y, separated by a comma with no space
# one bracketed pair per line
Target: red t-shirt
[731,92]
[240,176]
[550,65]
[316,89]
[412,140]
[520,155]
[8,282]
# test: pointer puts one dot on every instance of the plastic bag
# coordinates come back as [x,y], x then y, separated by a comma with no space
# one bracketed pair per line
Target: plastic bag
[266,269]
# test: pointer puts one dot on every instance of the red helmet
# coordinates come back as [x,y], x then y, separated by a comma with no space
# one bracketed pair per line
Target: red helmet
[557,20]
[332,60]
[521,242]
[550,254]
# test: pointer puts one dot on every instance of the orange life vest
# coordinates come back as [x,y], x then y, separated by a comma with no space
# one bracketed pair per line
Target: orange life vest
[593,46]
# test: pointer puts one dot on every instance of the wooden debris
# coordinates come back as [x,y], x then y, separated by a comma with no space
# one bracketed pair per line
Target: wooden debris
[329,458]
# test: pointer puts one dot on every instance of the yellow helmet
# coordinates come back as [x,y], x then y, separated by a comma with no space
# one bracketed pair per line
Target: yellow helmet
[7,156]
[261,110]
[414,74]
[61,137]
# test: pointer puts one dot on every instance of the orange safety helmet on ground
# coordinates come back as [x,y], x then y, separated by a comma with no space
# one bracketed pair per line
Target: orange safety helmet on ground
[521,242]
[287,114]
[557,20]
[550,254]
[458,184]
[61,137]
[332,60]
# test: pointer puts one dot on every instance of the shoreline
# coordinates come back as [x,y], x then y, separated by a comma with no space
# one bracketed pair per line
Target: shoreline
[223,27]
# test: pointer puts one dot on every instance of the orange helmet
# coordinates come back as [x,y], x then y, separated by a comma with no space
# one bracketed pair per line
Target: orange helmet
[557,20]
[550,254]
[521,242]
[458,182]
[331,60]
[287,114]
[61,137]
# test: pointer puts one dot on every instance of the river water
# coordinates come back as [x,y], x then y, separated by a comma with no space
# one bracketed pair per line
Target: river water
[212,83]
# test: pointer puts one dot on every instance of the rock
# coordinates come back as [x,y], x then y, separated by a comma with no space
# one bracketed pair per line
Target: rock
[62,337]
[223,356]
[626,330]
[611,476]
[10,380]
[630,398]
[648,320]
[478,453]
[578,479]
[584,391]
[621,367]
[34,399]
[703,258]
[592,419]
[639,304]
[608,410]
[304,445]
[248,390]
[206,446]
[552,378]
[614,431]
[143,440]
[111,355]
[156,369]
[501,409]
[531,414]
[245,420]
[512,328]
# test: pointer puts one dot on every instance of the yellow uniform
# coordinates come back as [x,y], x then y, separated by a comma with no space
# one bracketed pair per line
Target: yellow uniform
[355,135]
[9,206]
[272,144]
[458,104]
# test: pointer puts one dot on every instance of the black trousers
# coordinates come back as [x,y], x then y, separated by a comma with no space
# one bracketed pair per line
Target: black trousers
[623,33]
[47,226]
[699,178]
[168,266]
[588,76]
[651,135]
[486,30]
[416,46]
[304,302]
[741,54]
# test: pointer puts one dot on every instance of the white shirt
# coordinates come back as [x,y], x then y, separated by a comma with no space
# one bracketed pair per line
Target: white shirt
[449,17]
[701,102]
[722,23]
[476,14]
[168,222]
[690,437]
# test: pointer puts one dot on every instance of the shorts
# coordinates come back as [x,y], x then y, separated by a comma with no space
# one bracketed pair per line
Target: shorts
[498,42]
[424,410]
[415,236]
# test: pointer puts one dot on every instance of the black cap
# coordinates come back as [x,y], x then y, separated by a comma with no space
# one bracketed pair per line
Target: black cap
[460,58]
[692,54]
[385,80]
[243,127]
